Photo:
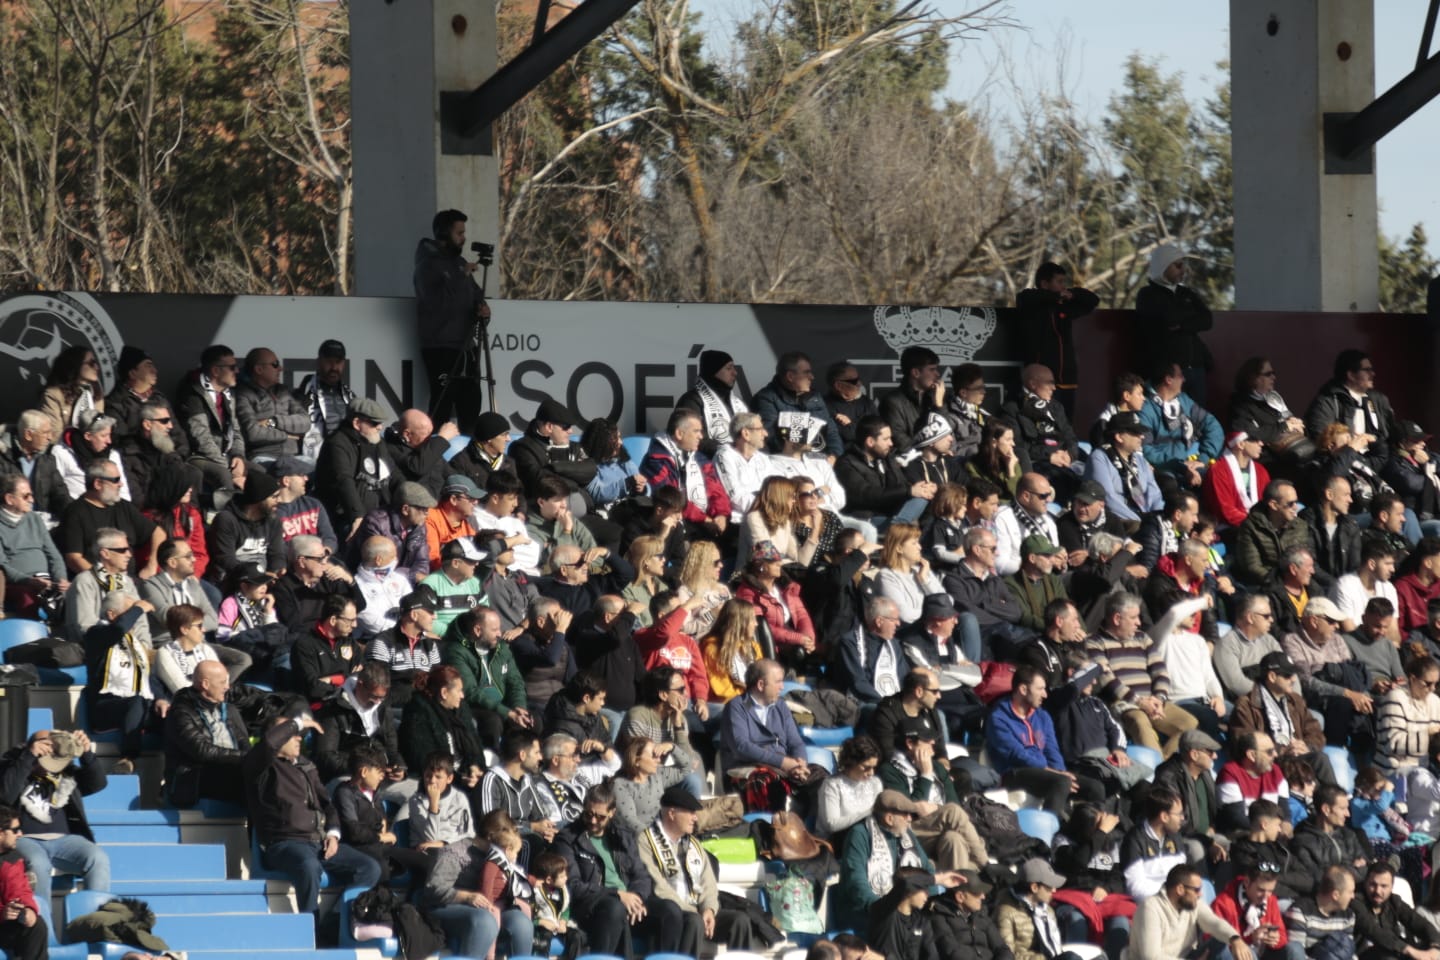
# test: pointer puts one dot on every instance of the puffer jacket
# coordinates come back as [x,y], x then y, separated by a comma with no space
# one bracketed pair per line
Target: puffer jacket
[774,399]
[268,418]
[799,626]
[209,439]
[1314,849]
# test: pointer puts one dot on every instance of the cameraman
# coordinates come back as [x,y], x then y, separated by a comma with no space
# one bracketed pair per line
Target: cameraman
[447,303]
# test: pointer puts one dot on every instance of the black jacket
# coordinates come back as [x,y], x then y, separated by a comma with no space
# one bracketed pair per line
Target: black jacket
[143,463]
[862,406]
[1314,850]
[1045,329]
[475,464]
[562,716]
[1411,484]
[587,871]
[298,606]
[1042,428]
[1334,556]
[315,660]
[1394,928]
[188,744]
[612,654]
[425,464]
[1168,324]
[361,817]
[1246,854]
[868,492]
[835,602]
[286,799]
[1073,535]
[535,460]
[962,934]
[234,540]
[989,599]
[18,766]
[353,476]
[1172,774]
[45,481]
[210,440]
[124,408]
[344,731]
[1333,404]
[1256,417]
[906,412]
[446,297]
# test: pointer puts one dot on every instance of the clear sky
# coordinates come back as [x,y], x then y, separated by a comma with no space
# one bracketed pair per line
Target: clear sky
[1094,38]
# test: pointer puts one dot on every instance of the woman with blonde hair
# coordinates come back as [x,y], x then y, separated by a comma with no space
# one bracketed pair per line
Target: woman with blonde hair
[729,649]
[647,556]
[700,577]
[904,575]
[773,518]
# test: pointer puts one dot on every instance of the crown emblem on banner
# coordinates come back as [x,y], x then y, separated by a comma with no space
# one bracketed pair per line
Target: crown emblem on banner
[956,335]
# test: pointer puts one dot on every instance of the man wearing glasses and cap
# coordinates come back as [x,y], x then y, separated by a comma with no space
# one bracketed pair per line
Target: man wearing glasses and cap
[326,394]
[354,472]
[963,927]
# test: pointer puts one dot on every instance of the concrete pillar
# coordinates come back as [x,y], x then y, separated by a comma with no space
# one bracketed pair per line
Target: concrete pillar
[1305,239]
[403,54]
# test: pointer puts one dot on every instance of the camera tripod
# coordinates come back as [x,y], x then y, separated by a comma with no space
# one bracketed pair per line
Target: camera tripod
[473,364]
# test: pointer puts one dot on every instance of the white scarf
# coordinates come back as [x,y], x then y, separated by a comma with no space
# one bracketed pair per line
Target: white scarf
[689,468]
[1246,481]
[717,418]
[1277,718]
[880,866]
[671,862]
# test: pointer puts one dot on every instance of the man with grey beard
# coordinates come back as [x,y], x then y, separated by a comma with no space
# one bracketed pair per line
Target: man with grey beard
[149,452]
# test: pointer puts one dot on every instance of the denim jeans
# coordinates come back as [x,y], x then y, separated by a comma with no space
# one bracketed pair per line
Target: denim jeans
[469,931]
[68,854]
[300,861]
[517,934]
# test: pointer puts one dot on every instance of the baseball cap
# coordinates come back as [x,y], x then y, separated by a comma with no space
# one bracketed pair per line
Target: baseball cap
[1126,422]
[918,728]
[1276,662]
[1086,675]
[421,598]
[971,881]
[1324,608]
[291,467]
[367,409]
[253,573]
[462,548]
[937,606]
[1036,870]
[1038,543]
[1090,492]
[333,349]
[1411,431]
[459,483]
[65,748]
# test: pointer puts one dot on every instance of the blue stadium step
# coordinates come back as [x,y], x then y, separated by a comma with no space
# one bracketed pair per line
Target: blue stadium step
[115,951]
[138,818]
[172,904]
[122,792]
[164,862]
[136,832]
[238,931]
[145,889]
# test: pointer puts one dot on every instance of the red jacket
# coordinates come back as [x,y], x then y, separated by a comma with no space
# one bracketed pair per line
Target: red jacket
[1221,498]
[661,470]
[14,886]
[171,522]
[1227,908]
[664,645]
[1413,600]
[799,627]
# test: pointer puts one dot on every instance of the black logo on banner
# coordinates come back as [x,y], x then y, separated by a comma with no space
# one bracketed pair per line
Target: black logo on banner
[35,327]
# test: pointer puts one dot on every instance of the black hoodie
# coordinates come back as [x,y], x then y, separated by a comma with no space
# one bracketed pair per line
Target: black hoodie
[445,296]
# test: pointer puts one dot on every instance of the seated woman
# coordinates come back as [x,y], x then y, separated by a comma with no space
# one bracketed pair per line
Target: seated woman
[773,518]
[363,824]
[848,797]
[647,556]
[904,574]
[247,621]
[1341,454]
[169,501]
[1257,409]
[998,460]
[640,783]
[660,717]
[700,577]
[175,662]
[83,445]
[440,814]
[436,720]
[72,390]
[729,650]
[616,477]
[778,601]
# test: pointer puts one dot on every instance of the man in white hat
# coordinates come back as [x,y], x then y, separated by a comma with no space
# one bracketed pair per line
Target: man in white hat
[1169,318]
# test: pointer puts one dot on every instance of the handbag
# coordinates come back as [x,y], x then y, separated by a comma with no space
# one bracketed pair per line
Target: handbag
[996,680]
[790,840]
[792,903]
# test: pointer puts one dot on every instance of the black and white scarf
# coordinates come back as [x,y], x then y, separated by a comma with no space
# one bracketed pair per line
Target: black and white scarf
[688,861]
[880,866]
[717,417]
[1088,530]
[1030,525]
[517,885]
[1174,418]
[1129,472]
[692,477]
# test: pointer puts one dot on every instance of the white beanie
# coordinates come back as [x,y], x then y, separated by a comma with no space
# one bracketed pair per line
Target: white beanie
[1160,260]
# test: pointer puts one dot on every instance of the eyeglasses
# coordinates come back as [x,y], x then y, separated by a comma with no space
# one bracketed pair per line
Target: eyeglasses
[114,480]
[808,494]
[1047,495]
[1288,504]
[932,689]
[159,420]
[116,549]
[12,829]
[853,381]
[27,496]
[321,557]
[1263,616]
[595,816]
[680,689]
[347,619]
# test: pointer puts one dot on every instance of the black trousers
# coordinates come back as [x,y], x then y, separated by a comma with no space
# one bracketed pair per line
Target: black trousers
[462,397]
[24,943]
[1053,788]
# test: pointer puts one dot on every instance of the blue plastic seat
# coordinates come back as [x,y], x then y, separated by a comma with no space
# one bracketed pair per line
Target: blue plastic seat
[821,757]
[39,718]
[121,792]
[765,815]
[606,956]
[14,632]
[826,736]
[1141,754]
[253,931]
[456,445]
[1344,769]
[637,446]
[1040,824]
[785,688]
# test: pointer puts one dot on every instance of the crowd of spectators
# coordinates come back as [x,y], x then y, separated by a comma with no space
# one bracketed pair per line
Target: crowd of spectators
[525,674]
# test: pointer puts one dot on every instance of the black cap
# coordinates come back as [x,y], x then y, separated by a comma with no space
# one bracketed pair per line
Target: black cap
[130,358]
[918,728]
[552,411]
[712,361]
[487,425]
[937,606]
[1126,422]
[1276,662]
[291,467]
[1089,492]
[259,487]
[253,573]
[332,349]
[1411,431]
[678,796]
[421,598]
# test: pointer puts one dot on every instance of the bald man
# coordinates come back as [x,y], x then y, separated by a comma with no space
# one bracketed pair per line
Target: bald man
[205,739]
[419,450]
[273,420]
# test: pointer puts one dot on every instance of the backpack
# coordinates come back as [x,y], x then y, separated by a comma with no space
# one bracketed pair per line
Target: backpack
[765,790]
[376,905]
[47,652]
[999,827]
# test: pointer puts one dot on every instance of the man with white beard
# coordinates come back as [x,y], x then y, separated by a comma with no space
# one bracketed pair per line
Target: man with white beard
[150,451]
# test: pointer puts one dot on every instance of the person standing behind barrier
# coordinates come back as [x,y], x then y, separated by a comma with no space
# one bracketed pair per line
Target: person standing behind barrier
[447,304]
[1047,312]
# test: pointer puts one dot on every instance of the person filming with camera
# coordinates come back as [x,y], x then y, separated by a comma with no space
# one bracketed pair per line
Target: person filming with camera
[448,304]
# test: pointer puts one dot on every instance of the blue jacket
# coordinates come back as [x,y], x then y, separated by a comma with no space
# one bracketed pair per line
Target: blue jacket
[746,742]
[1168,449]
[611,481]
[1009,741]
[1099,468]
[773,399]
[858,680]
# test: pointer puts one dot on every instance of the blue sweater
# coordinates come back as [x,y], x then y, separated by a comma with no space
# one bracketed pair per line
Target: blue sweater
[1012,743]
[1099,468]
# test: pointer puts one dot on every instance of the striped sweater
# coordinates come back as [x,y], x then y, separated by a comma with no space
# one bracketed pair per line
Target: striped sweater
[1402,727]
[1133,668]
[1307,926]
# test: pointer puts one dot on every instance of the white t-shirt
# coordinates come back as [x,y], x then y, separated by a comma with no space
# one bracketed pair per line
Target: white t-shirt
[1351,596]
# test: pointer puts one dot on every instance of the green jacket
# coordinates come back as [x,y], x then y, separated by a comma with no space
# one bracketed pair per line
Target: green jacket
[1034,596]
[1258,546]
[492,681]
[853,896]
[895,779]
